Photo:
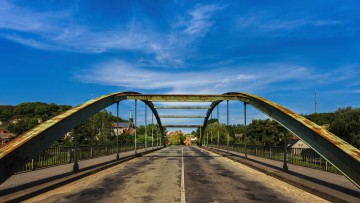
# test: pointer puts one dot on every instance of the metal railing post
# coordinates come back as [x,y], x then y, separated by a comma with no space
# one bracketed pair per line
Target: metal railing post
[207,139]
[145,127]
[285,167]
[218,126]
[245,140]
[227,123]
[152,131]
[76,164]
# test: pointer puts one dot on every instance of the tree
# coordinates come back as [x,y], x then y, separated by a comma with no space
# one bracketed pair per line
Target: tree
[22,125]
[346,125]
[213,130]
[264,132]
[97,129]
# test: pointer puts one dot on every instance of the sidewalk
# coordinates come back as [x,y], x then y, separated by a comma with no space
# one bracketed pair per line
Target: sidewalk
[29,179]
[321,183]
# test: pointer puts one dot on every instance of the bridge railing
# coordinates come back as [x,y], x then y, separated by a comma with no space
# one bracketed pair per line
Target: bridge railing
[298,156]
[54,156]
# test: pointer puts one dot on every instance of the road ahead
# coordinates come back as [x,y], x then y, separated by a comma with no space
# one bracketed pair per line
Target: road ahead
[178,174]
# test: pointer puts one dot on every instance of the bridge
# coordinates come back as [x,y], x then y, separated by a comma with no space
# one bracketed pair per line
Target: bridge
[331,148]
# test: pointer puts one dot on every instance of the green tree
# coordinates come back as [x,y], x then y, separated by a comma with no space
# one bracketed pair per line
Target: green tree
[264,132]
[22,125]
[215,130]
[346,125]
[97,129]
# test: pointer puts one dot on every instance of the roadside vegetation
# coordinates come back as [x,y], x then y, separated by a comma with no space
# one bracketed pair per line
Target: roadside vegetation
[344,123]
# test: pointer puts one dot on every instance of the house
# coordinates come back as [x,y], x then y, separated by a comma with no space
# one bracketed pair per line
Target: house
[126,128]
[187,141]
[5,137]
[297,145]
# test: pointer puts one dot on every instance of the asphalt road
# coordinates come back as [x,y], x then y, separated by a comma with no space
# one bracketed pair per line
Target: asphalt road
[178,174]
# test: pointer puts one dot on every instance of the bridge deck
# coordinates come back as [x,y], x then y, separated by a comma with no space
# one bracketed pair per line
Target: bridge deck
[174,155]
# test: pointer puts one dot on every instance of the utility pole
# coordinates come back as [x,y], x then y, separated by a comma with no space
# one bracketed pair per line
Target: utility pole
[316,102]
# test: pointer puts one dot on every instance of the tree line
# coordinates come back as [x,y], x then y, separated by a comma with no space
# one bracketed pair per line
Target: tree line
[21,118]
[344,123]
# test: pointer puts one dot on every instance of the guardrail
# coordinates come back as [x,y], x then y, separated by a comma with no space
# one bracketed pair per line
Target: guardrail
[54,156]
[298,156]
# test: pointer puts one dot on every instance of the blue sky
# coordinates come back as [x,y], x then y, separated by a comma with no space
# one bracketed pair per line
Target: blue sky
[68,52]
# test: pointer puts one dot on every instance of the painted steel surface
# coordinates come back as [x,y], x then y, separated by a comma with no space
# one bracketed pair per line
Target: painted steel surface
[181,107]
[187,98]
[181,116]
[341,154]
[31,143]
[182,126]
[335,150]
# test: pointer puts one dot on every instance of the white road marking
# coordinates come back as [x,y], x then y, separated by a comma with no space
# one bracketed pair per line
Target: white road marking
[182,176]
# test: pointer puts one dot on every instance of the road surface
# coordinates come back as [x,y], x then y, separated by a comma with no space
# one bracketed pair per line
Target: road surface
[178,174]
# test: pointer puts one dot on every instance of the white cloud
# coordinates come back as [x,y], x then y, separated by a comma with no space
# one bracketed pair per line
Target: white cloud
[132,76]
[200,22]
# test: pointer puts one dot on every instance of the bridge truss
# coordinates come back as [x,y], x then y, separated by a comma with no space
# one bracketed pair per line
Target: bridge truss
[19,151]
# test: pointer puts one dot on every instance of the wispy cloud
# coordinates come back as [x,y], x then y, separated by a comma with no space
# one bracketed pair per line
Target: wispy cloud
[200,19]
[120,73]
[267,23]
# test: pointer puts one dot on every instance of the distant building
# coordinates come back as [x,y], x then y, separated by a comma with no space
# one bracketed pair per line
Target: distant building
[5,137]
[297,145]
[193,139]
[126,128]
[187,141]
[123,127]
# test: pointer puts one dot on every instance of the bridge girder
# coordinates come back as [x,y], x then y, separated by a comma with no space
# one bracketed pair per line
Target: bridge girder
[338,152]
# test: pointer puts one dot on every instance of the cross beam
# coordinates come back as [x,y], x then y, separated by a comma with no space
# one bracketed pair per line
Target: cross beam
[182,126]
[181,107]
[187,98]
[181,116]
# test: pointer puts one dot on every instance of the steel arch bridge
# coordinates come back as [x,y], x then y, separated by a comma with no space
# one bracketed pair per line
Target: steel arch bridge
[19,151]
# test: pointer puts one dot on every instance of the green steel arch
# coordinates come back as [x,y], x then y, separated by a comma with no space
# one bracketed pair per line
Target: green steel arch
[30,144]
[339,153]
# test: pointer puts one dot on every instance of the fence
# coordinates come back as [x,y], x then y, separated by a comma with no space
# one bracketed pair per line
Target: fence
[54,156]
[298,156]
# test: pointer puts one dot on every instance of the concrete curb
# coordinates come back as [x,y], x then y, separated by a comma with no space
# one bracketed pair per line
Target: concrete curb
[36,189]
[308,186]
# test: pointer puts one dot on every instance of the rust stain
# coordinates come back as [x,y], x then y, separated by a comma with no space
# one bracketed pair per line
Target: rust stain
[25,137]
[338,142]
[231,96]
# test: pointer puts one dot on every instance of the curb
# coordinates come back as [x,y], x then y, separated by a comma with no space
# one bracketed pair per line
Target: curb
[34,189]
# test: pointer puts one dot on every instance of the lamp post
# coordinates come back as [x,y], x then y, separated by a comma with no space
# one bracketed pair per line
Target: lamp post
[135,123]
[117,130]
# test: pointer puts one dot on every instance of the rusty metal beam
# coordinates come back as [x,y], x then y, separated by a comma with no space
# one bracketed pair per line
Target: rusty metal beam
[187,98]
[342,155]
[22,149]
[182,107]
[339,153]
[182,126]
[181,116]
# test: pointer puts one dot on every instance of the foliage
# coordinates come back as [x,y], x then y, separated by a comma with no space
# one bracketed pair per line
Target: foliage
[320,118]
[149,129]
[97,129]
[216,132]
[177,138]
[21,118]
[22,125]
[346,125]
[264,132]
